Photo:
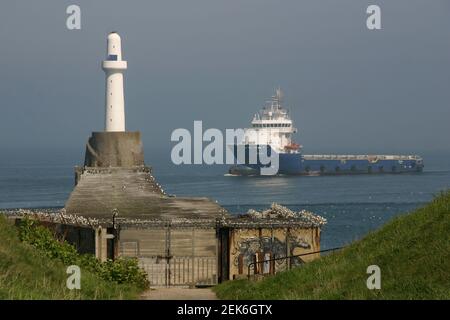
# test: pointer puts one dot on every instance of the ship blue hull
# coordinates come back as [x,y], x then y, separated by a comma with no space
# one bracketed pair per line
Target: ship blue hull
[298,164]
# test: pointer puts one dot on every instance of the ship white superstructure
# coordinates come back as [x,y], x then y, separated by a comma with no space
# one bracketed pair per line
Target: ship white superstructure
[272,126]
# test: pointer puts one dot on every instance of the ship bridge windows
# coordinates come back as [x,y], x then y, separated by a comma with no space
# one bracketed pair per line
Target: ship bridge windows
[271,125]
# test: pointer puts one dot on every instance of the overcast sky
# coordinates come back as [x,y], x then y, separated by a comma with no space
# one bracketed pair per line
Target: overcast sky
[350,89]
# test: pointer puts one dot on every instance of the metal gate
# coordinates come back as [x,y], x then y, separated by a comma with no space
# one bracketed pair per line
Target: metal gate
[180,271]
[174,256]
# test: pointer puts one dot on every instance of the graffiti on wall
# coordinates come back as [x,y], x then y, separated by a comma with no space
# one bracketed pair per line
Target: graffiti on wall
[247,248]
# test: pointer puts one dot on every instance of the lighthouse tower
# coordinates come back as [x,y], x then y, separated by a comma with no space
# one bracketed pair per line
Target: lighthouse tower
[114,67]
[114,147]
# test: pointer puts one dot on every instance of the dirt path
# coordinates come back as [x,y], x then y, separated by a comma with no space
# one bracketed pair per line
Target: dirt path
[179,294]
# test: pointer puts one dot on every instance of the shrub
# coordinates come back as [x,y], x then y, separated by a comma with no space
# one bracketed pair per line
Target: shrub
[122,270]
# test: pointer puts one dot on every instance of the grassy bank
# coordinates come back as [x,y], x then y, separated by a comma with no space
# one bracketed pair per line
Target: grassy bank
[28,273]
[412,251]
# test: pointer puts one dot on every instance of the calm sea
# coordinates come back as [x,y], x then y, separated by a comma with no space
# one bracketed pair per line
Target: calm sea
[353,205]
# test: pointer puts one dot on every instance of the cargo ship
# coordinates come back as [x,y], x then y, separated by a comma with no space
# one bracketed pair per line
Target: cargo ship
[272,129]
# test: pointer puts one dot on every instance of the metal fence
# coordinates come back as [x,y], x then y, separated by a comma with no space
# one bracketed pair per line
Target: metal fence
[268,266]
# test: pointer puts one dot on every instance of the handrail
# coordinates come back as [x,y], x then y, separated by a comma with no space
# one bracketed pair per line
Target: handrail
[286,257]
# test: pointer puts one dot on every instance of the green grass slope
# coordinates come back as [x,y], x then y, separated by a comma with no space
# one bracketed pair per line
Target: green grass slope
[412,251]
[26,273]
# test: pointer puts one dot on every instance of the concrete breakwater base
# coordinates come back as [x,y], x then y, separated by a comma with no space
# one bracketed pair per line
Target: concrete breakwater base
[114,179]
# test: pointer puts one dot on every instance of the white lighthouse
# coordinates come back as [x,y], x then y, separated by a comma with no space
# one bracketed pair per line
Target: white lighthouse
[114,67]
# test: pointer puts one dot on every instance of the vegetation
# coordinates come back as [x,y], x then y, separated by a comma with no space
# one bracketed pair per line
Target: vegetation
[412,251]
[122,270]
[35,268]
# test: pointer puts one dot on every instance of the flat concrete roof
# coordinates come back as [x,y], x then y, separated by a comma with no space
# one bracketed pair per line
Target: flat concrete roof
[134,193]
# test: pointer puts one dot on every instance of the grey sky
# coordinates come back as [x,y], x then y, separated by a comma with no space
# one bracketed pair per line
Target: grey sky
[351,89]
